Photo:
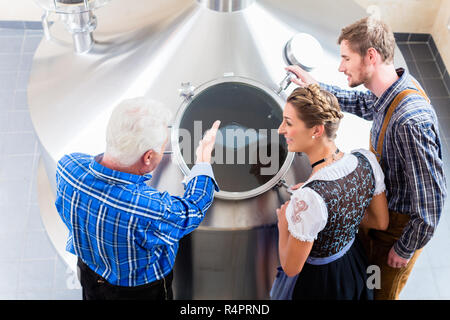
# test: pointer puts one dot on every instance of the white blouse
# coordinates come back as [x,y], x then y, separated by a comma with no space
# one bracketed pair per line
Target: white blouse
[307,213]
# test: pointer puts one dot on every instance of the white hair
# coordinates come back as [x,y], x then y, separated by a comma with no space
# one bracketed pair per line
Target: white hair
[136,126]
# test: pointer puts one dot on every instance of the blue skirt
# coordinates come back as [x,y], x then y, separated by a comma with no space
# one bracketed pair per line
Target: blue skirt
[342,279]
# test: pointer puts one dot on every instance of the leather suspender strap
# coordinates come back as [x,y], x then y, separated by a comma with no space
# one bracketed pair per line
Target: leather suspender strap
[400,96]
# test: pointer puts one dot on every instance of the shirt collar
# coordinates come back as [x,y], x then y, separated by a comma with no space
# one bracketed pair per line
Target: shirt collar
[114,176]
[399,85]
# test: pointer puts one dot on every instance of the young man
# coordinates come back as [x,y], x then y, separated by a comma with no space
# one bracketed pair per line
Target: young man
[124,232]
[405,139]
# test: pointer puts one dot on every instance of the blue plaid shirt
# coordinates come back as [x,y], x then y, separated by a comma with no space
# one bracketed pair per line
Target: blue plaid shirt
[411,157]
[124,230]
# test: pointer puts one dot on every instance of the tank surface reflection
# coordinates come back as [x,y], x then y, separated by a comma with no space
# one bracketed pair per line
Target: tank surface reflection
[216,265]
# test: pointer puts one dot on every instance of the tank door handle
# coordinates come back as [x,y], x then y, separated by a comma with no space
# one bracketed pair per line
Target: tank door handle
[282,183]
[284,84]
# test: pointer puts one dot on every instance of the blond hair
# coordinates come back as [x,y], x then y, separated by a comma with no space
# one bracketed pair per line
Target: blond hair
[369,33]
[317,107]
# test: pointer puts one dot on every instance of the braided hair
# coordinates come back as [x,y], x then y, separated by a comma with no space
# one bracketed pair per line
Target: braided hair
[315,107]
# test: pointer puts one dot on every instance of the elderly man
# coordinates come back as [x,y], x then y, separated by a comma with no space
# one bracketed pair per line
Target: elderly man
[124,232]
[404,137]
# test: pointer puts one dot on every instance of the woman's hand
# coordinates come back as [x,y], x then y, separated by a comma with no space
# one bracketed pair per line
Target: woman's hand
[281,214]
[298,185]
[206,145]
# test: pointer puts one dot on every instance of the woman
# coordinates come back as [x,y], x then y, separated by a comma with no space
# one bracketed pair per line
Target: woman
[318,226]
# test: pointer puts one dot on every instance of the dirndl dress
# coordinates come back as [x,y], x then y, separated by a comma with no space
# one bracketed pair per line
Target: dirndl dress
[329,213]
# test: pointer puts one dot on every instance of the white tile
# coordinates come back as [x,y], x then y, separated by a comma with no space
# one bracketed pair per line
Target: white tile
[437,247]
[16,191]
[16,167]
[20,101]
[9,31]
[442,276]
[33,196]
[8,79]
[10,295]
[13,217]
[423,261]
[22,80]
[20,121]
[421,285]
[34,220]
[6,100]
[4,124]
[65,279]
[26,61]
[17,143]
[12,44]
[34,32]
[445,216]
[9,275]
[35,294]
[31,43]
[36,275]
[10,62]
[38,246]
[68,294]
[11,246]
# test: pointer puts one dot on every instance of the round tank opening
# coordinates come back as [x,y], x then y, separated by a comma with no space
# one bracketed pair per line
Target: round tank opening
[248,151]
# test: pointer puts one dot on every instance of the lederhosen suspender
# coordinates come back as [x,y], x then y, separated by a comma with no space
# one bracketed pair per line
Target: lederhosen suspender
[400,96]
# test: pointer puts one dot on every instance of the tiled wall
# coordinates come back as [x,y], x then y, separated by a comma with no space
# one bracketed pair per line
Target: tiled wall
[425,63]
[418,42]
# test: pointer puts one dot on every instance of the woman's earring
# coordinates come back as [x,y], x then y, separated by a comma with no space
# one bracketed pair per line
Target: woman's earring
[313,137]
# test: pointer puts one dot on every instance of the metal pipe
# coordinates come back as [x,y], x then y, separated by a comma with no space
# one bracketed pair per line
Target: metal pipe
[78,18]
[81,26]
[226,5]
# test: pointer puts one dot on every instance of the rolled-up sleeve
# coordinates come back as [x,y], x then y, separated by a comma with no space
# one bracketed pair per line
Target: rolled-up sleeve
[423,168]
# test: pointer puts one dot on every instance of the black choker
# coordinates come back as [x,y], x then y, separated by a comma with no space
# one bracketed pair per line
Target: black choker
[323,160]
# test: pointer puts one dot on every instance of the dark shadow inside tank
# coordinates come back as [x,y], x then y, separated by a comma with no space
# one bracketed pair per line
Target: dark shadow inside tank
[248,152]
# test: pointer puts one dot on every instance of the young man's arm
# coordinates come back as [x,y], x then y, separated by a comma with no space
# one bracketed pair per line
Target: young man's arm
[359,103]
[419,148]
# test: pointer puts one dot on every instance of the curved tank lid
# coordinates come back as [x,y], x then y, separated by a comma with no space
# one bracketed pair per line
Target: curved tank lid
[304,50]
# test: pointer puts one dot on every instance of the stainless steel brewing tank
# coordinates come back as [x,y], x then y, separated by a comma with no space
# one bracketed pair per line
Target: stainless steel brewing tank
[233,254]
[150,48]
